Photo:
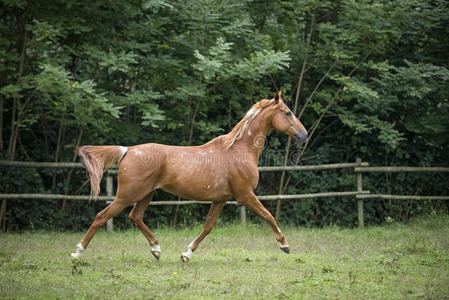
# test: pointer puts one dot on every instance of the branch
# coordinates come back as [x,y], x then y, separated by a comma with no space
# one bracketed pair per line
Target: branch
[315,125]
[316,88]
[295,108]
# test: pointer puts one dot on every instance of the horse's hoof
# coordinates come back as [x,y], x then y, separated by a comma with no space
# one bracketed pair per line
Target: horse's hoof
[285,249]
[156,254]
[184,259]
[74,259]
[75,256]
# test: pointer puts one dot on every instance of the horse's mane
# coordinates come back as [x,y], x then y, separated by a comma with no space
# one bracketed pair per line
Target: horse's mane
[237,132]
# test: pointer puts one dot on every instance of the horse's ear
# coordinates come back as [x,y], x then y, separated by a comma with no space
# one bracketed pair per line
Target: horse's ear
[277,96]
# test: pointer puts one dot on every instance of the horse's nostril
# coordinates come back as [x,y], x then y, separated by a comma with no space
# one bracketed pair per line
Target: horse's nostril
[301,135]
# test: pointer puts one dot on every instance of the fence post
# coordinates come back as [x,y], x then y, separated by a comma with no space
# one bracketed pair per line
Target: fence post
[359,201]
[243,214]
[109,191]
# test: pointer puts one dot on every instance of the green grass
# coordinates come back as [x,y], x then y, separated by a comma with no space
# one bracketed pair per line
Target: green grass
[389,262]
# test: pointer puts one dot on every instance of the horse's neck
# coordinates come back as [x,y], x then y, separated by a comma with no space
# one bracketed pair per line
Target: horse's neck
[254,138]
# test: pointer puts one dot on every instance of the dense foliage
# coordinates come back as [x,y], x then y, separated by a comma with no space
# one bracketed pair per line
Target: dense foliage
[371,79]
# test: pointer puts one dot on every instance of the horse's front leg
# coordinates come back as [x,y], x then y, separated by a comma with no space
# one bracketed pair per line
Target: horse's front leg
[250,200]
[212,216]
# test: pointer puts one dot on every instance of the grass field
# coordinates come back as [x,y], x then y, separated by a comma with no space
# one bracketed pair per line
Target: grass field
[390,262]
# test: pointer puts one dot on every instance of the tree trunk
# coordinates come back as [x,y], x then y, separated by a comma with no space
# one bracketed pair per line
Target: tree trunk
[44,130]
[13,128]
[1,125]
[192,124]
[69,174]
[295,108]
[14,131]
[58,148]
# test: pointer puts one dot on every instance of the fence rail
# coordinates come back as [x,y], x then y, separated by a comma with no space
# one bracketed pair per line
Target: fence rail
[169,202]
[314,195]
[398,169]
[401,197]
[313,167]
[99,198]
[32,164]
[359,168]
[360,197]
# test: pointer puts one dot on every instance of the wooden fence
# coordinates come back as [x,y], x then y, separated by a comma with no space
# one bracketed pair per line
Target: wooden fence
[359,167]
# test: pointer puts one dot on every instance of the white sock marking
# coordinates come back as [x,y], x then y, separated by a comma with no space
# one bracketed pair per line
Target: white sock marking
[79,251]
[157,248]
[189,252]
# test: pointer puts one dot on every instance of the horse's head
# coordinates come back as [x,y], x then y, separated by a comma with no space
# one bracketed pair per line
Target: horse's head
[285,121]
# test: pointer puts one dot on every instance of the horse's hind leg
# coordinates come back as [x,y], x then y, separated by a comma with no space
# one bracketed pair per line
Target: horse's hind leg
[136,215]
[102,217]
[214,212]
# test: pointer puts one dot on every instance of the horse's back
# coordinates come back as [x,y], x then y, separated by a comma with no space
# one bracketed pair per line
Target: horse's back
[196,172]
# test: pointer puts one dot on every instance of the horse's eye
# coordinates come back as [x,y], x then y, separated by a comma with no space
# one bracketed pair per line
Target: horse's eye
[288,114]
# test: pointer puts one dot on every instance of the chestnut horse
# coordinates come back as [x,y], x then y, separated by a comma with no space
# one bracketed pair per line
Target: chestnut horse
[223,169]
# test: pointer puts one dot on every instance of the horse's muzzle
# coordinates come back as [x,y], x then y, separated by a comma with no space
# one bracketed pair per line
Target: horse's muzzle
[301,135]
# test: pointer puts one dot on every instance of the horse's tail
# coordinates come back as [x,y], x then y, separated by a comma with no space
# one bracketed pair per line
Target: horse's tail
[96,160]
